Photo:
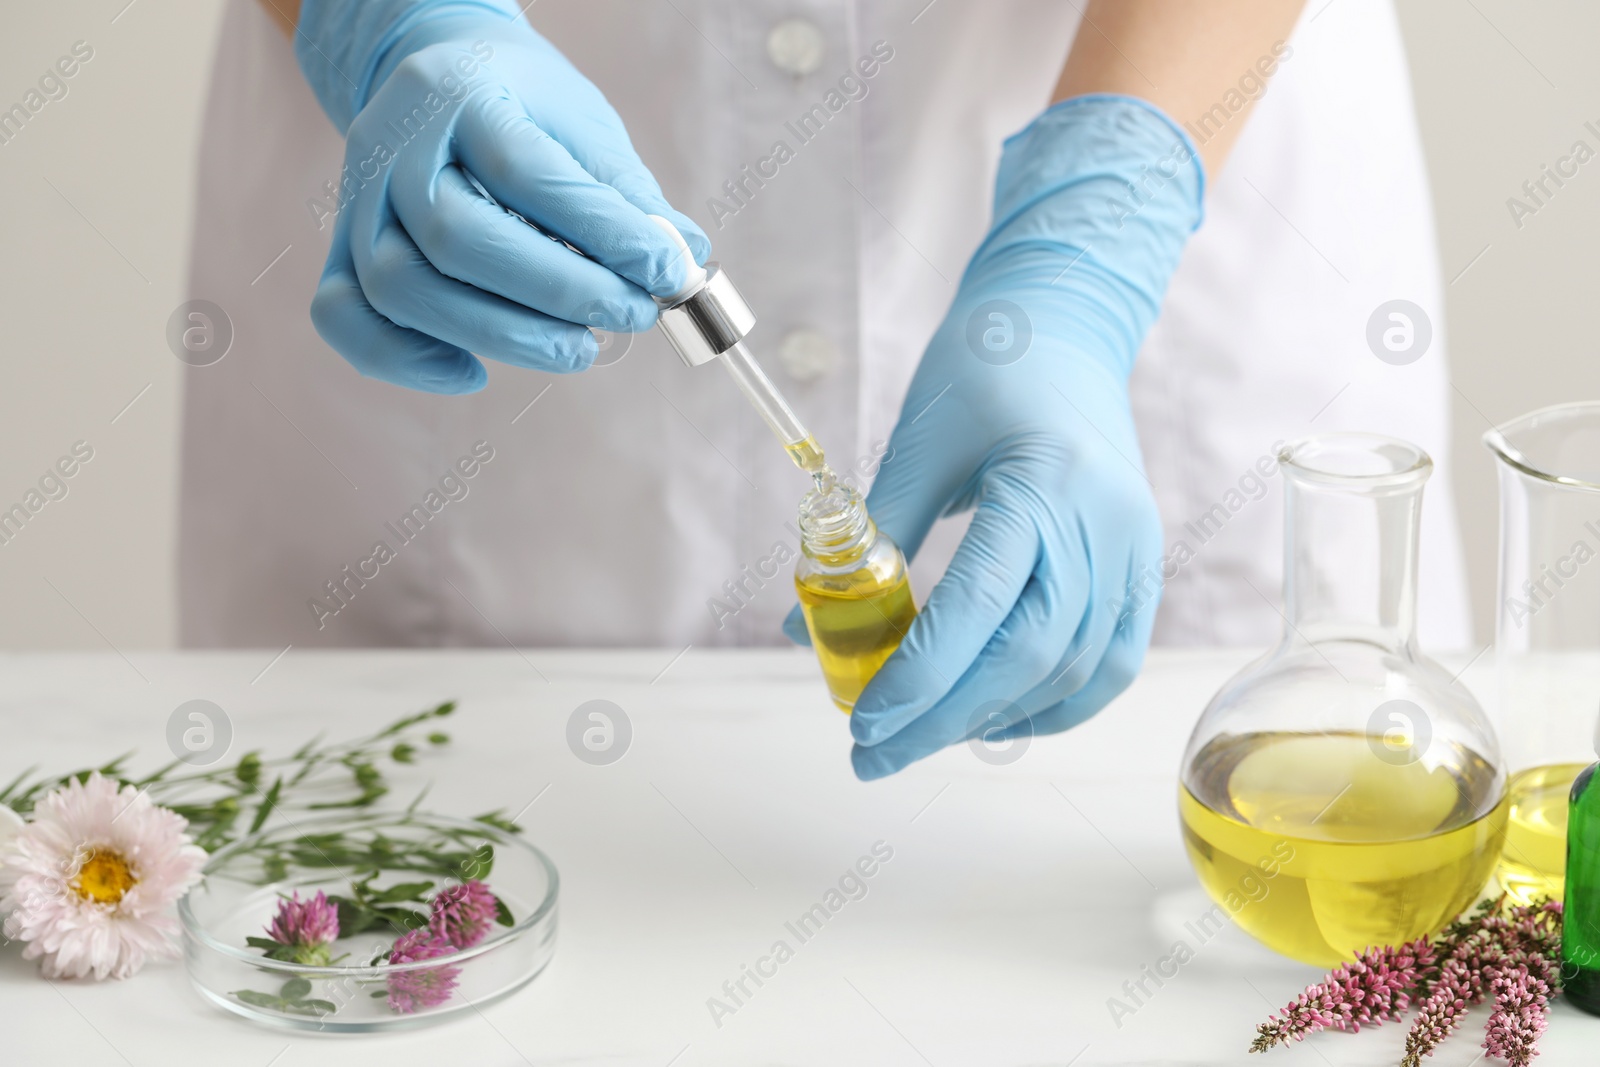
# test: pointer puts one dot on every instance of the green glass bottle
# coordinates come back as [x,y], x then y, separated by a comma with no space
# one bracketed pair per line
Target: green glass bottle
[1580,940]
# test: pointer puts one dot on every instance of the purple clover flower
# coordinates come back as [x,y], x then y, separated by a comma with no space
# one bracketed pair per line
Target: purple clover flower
[425,987]
[463,914]
[306,926]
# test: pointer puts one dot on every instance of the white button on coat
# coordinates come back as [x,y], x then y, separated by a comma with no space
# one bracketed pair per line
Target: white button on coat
[796,46]
[808,354]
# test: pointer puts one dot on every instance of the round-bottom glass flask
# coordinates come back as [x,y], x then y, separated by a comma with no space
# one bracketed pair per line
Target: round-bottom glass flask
[1344,791]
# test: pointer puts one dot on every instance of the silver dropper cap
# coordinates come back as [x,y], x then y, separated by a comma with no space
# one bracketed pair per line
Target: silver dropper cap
[709,321]
[707,316]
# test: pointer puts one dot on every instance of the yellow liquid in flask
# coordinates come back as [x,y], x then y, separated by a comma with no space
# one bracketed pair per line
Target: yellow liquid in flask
[1362,851]
[1534,862]
[856,621]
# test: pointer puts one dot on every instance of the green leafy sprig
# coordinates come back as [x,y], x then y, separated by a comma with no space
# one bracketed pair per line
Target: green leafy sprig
[361,852]
[225,803]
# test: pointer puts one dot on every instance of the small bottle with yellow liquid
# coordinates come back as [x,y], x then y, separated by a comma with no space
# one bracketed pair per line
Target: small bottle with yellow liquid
[853,586]
[1349,765]
[852,580]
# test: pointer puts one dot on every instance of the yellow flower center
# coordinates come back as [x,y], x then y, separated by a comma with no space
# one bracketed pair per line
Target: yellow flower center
[104,877]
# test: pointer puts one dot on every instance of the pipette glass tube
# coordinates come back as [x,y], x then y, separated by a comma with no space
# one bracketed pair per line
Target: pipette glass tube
[776,412]
[707,319]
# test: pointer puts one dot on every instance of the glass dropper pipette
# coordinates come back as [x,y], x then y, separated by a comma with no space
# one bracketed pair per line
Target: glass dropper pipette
[707,319]
[774,410]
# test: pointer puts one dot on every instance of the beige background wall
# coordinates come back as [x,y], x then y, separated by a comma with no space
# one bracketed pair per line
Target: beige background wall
[94,233]
[95,230]
[1504,88]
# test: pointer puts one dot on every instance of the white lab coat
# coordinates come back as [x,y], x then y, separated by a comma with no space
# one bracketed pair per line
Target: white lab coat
[642,503]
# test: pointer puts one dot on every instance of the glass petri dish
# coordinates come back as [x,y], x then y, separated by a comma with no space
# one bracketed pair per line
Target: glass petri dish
[360,992]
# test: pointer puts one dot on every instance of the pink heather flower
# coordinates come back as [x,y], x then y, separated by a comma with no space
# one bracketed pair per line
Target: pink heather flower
[1488,953]
[425,987]
[89,882]
[1371,990]
[1536,928]
[1521,1005]
[1459,986]
[307,926]
[1465,979]
[463,914]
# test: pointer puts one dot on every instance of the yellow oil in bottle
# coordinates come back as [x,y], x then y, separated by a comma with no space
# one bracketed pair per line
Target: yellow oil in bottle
[854,590]
[1534,862]
[856,621]
[1319,848]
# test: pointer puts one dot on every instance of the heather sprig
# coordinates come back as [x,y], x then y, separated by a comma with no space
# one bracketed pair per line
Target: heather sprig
[1521,1007]
[1375,988]
[1490,953]
[1459,987]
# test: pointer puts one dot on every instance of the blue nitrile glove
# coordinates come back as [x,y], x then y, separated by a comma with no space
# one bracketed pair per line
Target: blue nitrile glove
[1020,409]
[424,269]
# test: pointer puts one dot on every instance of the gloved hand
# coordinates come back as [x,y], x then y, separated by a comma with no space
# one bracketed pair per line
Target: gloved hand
[1020,410]
[424,269]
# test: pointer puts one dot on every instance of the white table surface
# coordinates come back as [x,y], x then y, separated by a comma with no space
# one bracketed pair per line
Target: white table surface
[1018,901]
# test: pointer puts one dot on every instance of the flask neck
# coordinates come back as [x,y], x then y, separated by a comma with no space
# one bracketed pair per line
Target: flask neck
[1350,551]
[835,529]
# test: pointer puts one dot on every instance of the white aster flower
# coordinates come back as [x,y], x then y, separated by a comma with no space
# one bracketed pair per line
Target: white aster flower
[88,884]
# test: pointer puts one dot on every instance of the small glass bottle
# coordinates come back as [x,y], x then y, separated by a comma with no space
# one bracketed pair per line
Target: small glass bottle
[854,589]
[1580,938]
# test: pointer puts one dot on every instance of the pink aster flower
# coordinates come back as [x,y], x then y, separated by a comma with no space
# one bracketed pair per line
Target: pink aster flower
[89,882]
[307,926]
[424,987]
[463,914]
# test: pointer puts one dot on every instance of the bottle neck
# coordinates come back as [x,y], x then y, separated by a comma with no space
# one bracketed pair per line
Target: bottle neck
[835,529]
[1350,564]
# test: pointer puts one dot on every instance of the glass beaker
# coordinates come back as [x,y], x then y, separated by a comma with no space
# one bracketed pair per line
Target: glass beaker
[1547,631]
[1343,791]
